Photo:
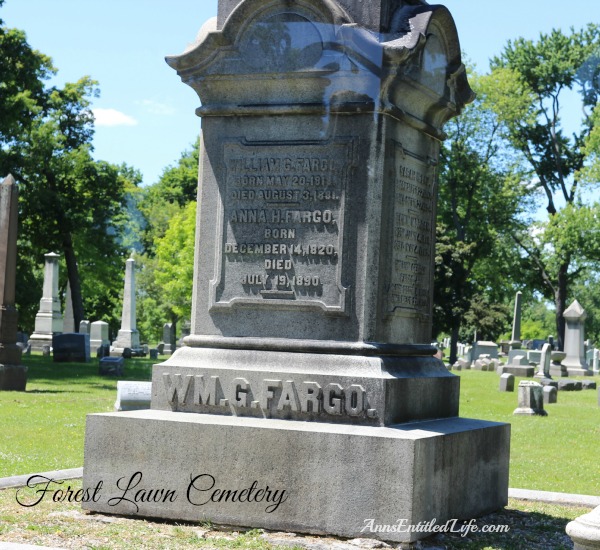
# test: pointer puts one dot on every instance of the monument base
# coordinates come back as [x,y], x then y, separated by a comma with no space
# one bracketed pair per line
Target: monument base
[558,371]
[38,340]
[308,477]
[13,377]
[576,371]
[518,370]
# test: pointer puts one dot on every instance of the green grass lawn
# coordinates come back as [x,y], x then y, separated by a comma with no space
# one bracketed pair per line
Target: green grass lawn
[43,428]
[558,452]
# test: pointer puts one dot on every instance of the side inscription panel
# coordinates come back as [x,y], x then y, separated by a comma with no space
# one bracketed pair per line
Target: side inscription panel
[413,235]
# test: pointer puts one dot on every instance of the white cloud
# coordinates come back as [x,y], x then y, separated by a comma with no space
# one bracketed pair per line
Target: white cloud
[112,117]
[157,108]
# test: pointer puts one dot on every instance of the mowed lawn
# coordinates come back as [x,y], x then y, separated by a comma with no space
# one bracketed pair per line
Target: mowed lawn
[43,428]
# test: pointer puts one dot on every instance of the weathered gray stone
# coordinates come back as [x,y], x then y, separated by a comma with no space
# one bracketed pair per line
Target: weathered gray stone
[133,396]
[550,395]
[588,385]
[507,382]
[485,348]
[13,375]
[515,341]
[128,336]
[312,293]
[545,358]
[531,399]
[68,319]
[169,339]
[556,366]
[519,365]
[534,356]
[49,320]
[575,362]
[596,361]
[585,531]
[84,327]
[293,457]
[548,382]
[98,335]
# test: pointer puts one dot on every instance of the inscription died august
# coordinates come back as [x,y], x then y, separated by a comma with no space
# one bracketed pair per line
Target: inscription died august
[282,230]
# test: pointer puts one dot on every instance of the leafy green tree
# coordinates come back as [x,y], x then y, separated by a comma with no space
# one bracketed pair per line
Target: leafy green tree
[22,75]
[162,204]
[165,280]
[175,262]
[175,189]
[527,89]
[478,201]
[69,203]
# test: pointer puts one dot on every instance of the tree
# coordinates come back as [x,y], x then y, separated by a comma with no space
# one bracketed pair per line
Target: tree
[176,188]
[163,204]
[175,262]
[479,198]
[22,75]
[527,89]
[69,202]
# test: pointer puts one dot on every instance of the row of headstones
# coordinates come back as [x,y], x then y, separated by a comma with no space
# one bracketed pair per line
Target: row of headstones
[532,396]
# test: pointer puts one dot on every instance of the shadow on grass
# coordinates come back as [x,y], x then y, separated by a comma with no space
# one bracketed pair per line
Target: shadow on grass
[51,391]
[512,530]
[44,370]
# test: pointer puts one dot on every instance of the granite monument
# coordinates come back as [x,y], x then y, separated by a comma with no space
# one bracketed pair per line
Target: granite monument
[307,378]
[13,375]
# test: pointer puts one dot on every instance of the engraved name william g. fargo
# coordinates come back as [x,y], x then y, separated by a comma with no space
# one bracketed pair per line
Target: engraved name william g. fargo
[282,225]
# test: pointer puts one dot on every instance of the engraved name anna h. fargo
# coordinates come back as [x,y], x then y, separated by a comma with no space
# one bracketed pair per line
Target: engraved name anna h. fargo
[282,227]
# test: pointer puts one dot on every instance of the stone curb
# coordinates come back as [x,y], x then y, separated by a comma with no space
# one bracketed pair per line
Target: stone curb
[519,494]
[21,481]
[554,498]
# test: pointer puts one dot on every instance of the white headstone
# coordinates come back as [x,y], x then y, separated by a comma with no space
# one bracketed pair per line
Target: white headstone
[49,320]
[575,362]
[98,335]
[128,336]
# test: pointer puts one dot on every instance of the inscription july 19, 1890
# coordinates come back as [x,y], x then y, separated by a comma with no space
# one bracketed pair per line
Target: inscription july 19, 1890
[282,226]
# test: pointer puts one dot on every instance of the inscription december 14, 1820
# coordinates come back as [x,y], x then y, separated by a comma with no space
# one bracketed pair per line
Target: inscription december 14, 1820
[282,227]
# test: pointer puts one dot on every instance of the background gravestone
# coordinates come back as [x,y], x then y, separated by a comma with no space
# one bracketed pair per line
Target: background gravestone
[313,282]
[84,327]
[48,320]
[169,339]
[68,319]
[98,335]
[128,336]
[71,347]
[575,361]
[13,375]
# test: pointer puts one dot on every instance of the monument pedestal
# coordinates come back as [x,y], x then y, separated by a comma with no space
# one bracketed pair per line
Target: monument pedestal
[337,478]
[125,339]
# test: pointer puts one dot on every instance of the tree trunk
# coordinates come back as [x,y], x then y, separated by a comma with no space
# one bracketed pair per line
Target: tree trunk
[560,299]
[73,275]
[454,342]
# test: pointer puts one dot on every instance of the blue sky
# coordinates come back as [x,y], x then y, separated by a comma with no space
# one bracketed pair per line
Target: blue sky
[145,114]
